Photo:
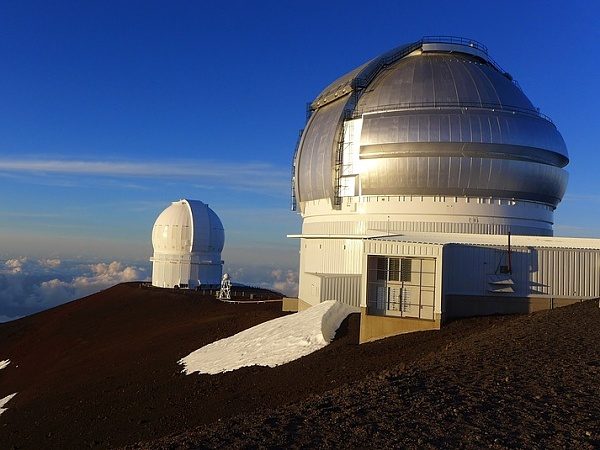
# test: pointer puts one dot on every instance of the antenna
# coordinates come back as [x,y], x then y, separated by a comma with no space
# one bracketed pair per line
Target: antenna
[509,255]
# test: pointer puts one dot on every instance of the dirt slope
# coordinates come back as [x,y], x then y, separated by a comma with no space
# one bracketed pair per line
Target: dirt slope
[102,372]
[531,382]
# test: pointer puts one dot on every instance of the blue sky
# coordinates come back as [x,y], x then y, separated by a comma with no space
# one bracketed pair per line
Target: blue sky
[110,110]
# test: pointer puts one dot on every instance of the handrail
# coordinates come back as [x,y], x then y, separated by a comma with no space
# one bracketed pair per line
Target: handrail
[293,186]
[373,69]
[454,40]
[469,43]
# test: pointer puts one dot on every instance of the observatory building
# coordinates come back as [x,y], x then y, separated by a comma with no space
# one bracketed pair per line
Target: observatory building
[412,175]
[188,238]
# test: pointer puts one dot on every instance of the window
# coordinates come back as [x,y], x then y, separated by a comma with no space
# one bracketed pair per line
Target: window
[382,269]
[401,286]
[394,272]
[406,269]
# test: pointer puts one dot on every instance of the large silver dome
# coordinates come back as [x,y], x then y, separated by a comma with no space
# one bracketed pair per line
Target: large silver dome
[439,117]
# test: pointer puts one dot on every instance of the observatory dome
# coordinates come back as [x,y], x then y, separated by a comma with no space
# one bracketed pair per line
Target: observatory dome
[431,136]
[187,238]
[188,226]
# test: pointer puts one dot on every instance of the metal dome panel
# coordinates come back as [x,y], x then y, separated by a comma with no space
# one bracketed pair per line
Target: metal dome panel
[464,176]
[431,78]
[208,235]
[172,231]
[340,87]
[315,158]
[536,138]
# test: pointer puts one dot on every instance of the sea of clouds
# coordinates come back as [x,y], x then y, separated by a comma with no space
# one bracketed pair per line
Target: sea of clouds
[29,285]
[280,280]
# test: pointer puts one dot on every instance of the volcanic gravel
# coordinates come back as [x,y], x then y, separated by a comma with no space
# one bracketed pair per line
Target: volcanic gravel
[102,372]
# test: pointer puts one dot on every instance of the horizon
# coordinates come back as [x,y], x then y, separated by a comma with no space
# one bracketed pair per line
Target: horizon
[112,111]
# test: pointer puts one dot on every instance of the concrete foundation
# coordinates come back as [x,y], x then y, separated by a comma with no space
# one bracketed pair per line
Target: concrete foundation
[291,304]
[373,327]
[457,306]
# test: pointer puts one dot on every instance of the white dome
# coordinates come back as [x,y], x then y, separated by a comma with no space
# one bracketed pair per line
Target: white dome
[188,238]
[188,226]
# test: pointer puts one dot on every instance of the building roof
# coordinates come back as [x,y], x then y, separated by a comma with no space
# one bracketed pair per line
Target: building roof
[493,240]
[468,239]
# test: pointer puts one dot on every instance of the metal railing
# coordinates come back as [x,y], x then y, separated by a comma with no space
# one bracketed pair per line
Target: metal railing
[339,156]
[372,70]
[454,40]
[472,43]
[294,204]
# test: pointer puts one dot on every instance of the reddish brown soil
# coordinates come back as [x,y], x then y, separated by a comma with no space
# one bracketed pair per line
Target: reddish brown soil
[102,372]
[530,382]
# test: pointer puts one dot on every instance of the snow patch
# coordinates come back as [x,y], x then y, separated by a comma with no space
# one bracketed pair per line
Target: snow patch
[4,363]
[271,343]
[4,401]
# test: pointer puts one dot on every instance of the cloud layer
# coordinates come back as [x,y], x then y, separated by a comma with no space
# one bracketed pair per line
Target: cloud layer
[280,280]
[31,285]
[241,175]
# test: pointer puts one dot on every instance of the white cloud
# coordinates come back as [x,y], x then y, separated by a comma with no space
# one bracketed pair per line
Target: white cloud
[268,277]
[285,281]
[30,285]
[247,176]
[52,263]
[15,265]
[100,276]
[25,265]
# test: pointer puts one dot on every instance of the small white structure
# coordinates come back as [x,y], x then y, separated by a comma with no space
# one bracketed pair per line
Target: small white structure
[225,292]
[187,238]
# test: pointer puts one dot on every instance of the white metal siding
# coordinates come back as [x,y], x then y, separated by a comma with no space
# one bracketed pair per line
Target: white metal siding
[332,256]
[310,289]
[375,247]
[552,272]
[345,289]
[567,272]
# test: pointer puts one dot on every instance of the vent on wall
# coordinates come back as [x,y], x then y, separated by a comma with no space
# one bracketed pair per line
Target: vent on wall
[501,284]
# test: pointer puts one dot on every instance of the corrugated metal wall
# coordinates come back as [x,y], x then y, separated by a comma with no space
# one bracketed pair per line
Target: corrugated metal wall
[358,227]
[331,269]
[566,272]
[552,272]
[375,247]
[345,289]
